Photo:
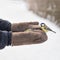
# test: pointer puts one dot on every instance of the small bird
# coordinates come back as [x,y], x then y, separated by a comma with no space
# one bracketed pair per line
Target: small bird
[45,28]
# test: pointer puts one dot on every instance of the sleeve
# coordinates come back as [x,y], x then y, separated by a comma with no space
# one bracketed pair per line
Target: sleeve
[5,38]
[5,25]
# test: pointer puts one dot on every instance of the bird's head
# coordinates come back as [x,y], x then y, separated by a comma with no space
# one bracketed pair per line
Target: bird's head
[42,24]
[44,27]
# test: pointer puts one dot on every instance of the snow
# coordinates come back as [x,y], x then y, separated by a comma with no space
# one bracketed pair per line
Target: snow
[15,12]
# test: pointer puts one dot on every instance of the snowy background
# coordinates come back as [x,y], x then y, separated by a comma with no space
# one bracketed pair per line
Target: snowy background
[15,12]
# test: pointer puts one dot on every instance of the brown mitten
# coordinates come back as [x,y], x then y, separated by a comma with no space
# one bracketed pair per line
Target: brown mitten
[19,27]
[31,37]
[27,33]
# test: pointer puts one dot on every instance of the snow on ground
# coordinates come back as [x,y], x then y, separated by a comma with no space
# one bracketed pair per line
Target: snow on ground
[15,12]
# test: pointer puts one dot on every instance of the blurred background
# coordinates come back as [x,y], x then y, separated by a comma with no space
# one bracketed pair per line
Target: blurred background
[49,9]
[45,11]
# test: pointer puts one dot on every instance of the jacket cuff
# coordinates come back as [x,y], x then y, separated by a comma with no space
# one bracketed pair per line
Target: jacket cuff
[5,39]
[5,25]
[9,38]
